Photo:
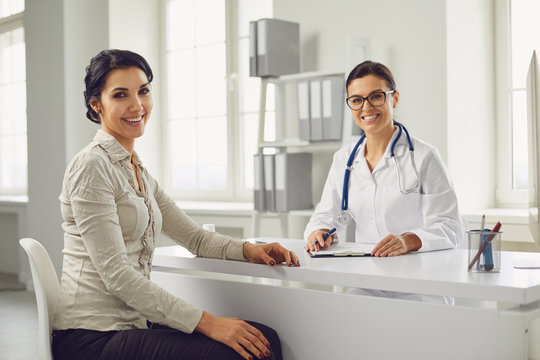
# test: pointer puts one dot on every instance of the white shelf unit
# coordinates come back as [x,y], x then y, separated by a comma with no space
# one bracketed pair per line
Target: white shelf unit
[287,112]
[287,138]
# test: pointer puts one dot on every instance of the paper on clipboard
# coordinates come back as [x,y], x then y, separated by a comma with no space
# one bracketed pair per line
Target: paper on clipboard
[344,250]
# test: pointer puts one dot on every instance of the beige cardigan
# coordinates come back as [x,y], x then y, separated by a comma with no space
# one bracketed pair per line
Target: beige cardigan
[110,233]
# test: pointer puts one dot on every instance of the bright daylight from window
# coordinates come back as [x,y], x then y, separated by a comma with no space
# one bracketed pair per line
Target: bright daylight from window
[13,150]
[212,103]
[525,30]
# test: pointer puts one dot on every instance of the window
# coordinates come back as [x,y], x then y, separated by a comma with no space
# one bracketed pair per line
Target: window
[524,29]
[13,149]
[516,38]
[211,104]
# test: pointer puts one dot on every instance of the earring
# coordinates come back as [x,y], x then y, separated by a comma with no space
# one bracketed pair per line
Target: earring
[99,112]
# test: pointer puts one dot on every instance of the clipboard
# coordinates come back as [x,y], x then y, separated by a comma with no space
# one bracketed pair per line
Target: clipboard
[343,250]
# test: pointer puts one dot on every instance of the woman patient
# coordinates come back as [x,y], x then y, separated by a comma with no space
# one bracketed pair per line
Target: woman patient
[113,211]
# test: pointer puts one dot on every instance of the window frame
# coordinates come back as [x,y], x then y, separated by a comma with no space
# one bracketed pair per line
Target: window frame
[8,24]
[505,194]
[236,190]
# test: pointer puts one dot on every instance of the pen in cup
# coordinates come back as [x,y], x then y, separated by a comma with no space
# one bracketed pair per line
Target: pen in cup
[485,244]
[482,228]
[325,236]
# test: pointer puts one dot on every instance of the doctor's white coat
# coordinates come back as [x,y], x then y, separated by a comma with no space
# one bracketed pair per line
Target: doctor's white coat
[377,205]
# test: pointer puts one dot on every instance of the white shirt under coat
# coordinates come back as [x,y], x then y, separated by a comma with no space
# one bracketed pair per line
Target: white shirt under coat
[377,205]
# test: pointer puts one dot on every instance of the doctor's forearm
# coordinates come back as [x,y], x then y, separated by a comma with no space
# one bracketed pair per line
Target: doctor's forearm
[412,241]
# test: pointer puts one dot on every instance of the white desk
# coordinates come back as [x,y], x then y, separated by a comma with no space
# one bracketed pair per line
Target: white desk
[316,324]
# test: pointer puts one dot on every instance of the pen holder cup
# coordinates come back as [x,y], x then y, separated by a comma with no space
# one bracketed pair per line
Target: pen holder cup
[484,251]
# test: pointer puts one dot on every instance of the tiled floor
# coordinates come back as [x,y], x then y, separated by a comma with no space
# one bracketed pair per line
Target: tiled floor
[18,325]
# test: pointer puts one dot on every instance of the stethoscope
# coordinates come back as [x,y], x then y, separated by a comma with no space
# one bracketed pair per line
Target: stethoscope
[345,216]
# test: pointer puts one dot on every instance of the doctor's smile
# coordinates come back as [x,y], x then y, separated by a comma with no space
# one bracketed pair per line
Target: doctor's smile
[370,117]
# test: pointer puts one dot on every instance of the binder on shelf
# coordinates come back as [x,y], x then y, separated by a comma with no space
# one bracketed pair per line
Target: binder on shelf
[258,184]
[274,47]
[304,132]
[252,48]
[293,181]
[333,95]
[269,182]
[315,109]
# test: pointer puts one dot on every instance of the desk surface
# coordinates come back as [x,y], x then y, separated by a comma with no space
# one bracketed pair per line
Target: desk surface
[434,273]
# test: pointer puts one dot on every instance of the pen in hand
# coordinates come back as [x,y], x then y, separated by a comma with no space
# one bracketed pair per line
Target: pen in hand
[325,236]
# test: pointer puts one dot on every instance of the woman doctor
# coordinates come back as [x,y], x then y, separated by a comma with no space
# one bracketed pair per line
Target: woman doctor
[409,205]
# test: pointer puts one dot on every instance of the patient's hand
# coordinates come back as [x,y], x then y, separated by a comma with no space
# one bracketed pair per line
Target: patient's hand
[270,254]
[235,333]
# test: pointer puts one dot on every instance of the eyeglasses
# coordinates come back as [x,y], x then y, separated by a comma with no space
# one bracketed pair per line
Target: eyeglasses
[376,99]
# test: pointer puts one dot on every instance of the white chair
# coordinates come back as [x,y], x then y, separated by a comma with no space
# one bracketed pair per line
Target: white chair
[46,288]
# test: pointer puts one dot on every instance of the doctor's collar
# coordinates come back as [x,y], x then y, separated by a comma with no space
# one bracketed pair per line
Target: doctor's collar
[401,147]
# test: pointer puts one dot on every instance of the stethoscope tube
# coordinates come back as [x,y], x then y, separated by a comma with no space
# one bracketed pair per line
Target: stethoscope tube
[345,197]
[345,217]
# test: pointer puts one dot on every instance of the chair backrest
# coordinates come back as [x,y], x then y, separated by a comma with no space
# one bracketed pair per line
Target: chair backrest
[46,288]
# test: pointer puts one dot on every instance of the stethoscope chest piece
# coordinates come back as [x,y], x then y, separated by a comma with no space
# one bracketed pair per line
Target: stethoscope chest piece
[345,217]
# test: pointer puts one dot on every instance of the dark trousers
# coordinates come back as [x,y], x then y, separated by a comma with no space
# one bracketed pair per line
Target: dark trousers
[156,343]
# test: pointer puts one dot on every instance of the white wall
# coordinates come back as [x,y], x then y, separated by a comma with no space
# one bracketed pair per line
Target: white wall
[85,34]
[44,34]
[471,101]
[60,38]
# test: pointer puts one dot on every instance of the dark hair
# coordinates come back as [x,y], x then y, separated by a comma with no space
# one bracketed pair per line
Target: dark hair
[369,67]
[100,66]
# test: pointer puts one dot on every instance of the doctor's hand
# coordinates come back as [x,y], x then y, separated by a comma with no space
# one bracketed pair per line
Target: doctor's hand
[316,242]
[270,254]
[393,245]
[237,334]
